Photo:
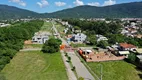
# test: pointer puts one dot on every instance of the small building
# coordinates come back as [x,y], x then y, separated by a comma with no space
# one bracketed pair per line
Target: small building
[4,25]
[101,38]
[139,51]
[127,47]
[79,37]
[77,31]
[40,37]
[124,53]
[140,58]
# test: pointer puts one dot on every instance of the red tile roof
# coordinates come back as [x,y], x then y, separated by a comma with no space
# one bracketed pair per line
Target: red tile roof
[125,45]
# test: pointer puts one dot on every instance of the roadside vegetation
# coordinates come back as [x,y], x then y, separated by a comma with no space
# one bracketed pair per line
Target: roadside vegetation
[34,65]
[115,70]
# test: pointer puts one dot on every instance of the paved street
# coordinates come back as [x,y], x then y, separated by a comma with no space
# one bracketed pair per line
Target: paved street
[70,73]
[81,70]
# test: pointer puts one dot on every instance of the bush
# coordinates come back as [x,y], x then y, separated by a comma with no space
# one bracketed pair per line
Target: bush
[51,46]
[131,58]
[80,78]
[73,68]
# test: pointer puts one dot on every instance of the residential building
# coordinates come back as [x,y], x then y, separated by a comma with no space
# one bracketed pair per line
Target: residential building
[4,25]
[101,38]
[79,37]
[127,47]
[140,58]
[40,37]
[124,53]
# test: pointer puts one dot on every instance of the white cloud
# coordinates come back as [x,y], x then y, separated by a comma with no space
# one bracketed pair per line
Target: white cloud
[20,2]
[94,4]
[60,4]
[109,2]
[43,3]
[78,2]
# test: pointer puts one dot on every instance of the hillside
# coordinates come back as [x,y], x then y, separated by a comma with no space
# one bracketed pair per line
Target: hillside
[10,12]
[115,11]
[133,9]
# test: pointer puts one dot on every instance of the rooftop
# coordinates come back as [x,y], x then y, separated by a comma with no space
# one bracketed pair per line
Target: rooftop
[126,45]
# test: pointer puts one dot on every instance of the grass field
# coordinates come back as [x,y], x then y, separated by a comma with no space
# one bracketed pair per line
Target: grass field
[35,65]
[60,29]
[117,70]
[33,45]
[46,27]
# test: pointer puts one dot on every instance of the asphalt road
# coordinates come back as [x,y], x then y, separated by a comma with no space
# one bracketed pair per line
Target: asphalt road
[81,70]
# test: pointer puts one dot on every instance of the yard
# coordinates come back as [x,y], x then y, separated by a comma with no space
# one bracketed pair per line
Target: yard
[116,70]
[35,65]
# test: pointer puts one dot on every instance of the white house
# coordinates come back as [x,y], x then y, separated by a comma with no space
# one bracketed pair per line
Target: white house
[4,25]
[40,37]
[124,53]
[79,37]
[101,38]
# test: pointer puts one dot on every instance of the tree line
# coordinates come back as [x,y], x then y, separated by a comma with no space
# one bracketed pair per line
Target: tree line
[12,39]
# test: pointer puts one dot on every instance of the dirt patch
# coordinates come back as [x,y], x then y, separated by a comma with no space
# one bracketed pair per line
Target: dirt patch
[28,42]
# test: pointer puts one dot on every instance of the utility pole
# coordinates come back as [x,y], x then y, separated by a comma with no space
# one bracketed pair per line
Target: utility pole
[101,71]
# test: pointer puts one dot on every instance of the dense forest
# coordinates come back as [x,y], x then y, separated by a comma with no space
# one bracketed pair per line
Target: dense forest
[12,39]
[110,30]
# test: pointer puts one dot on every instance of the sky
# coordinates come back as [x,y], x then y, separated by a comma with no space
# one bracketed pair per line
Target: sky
[48,6]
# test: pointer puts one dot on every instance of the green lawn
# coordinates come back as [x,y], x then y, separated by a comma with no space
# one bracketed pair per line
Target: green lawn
[116,70]
[60,29]
[33,45]
[35,65]
[46,27]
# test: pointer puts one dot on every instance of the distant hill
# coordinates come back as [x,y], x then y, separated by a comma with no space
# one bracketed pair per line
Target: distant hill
[133,9]
[10,12]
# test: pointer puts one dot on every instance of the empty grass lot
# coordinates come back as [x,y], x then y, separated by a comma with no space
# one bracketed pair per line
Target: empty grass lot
[47,27]
[116,70]
[33,46]
[35,65]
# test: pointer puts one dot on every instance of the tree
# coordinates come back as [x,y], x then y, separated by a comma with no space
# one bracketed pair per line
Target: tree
[51,46]
[132,57]
[102,44]
[92,39]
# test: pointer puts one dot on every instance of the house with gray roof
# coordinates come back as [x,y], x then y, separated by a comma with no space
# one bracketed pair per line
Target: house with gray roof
[40,37]
[79,37]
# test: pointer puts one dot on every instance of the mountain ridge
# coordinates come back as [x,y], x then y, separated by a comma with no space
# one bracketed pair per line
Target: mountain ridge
[117,11]
[125,10]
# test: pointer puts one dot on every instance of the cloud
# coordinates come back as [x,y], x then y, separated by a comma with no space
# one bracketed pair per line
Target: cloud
[78,2]
[43,3]
[109,2]
[60,4]
[20,2]
[94,4]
